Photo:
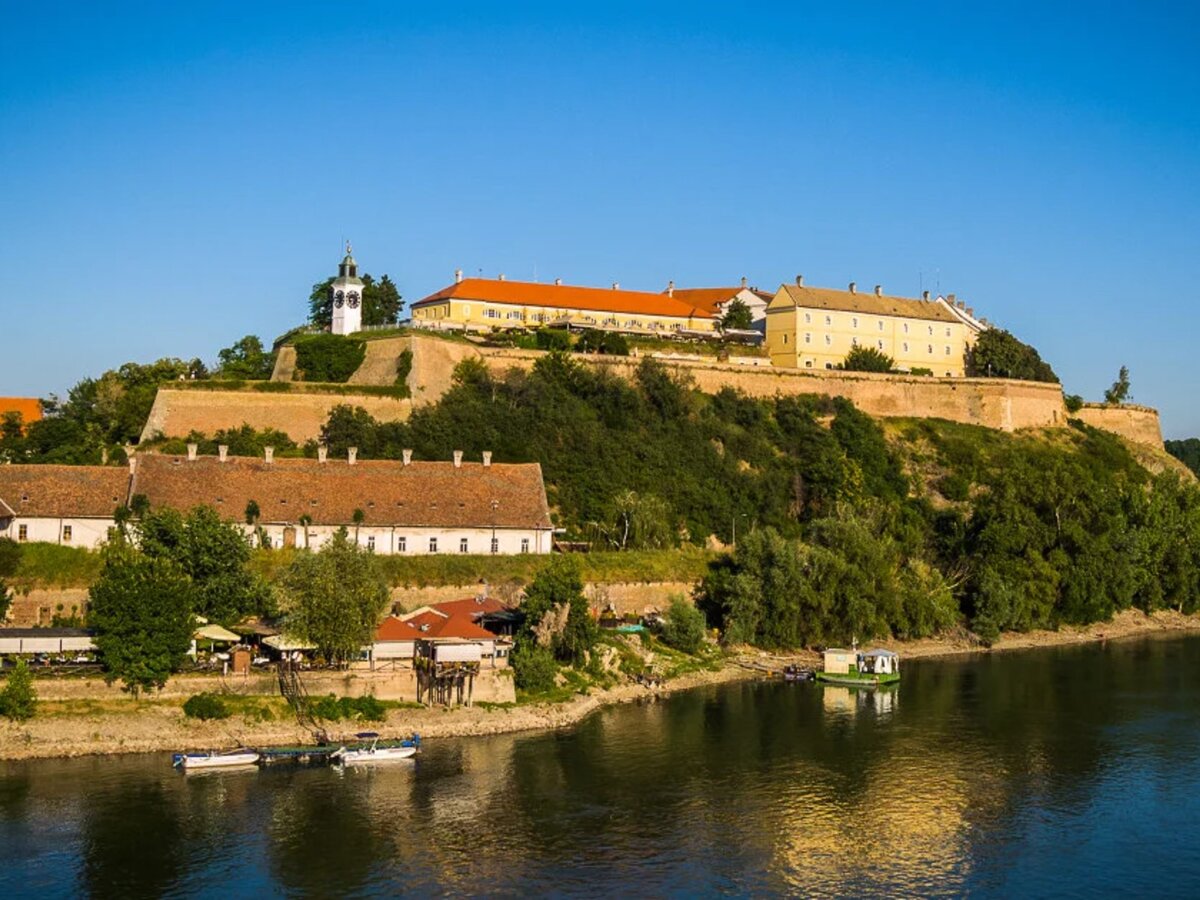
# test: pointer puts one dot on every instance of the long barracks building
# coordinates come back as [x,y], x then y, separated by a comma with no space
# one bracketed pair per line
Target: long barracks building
[401,507]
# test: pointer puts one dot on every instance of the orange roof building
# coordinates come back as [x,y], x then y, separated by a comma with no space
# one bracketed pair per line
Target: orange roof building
[483,304]
[28,408]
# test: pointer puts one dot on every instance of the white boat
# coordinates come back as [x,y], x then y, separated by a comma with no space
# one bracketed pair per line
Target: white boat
[373,753]
[242,756]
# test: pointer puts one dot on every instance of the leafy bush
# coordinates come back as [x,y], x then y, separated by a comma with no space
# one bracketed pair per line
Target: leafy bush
[684,626]
[997,354]
[553,339]
[534,667]
[954,487]
[1073,402]
[18,699]
[607,342]
[206,706]
[329,357]
[333,709]
[920,370]
[867,359]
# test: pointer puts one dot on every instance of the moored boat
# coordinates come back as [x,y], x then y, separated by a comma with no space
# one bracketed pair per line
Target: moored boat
[374,752]
[874,668]
[242,756]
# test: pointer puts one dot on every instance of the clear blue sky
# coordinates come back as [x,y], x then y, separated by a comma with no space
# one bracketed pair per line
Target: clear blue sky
[174,176]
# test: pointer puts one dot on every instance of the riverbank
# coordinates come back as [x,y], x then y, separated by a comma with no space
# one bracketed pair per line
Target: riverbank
[86,727]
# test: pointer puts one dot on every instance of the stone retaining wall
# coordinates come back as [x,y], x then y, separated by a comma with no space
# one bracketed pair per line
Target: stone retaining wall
[1139,424]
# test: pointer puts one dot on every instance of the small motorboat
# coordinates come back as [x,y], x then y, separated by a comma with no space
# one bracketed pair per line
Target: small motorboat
[242,756]
[373,752]
[795,673]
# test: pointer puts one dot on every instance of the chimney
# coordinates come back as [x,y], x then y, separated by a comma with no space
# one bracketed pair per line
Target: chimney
[950,299]
[487,458]
[269,454]
[501,276]
[799,281]
[458,276]
[222,452]
[879,290]
[924,295]
[970,311]
[558,282]
[743,282]
[458,459]
[192,448]
[853,287]
[132,463]
[670,288]
[352,455]
[616,285]
[961,305]
[322,453]
[407,456]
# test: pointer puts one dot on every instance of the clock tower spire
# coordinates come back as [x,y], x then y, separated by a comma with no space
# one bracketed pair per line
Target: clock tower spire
[346,293]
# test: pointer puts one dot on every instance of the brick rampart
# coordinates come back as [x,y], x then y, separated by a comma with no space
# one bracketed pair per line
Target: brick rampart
[1135,423]
[299,415]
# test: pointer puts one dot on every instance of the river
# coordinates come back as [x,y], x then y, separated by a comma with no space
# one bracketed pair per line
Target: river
[1055,772]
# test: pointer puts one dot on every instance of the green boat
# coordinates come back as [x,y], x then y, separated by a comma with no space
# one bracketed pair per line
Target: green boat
[874,668]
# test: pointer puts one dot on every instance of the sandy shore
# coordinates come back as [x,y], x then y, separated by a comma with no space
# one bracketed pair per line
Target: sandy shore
[76,728]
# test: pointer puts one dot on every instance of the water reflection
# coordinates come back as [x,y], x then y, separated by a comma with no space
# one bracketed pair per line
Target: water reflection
[996,775]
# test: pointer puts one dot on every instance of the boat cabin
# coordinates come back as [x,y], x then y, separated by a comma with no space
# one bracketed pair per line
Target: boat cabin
[840,662]
[879,662]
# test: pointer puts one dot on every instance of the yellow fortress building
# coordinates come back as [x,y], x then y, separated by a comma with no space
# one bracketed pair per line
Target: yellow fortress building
[815,328]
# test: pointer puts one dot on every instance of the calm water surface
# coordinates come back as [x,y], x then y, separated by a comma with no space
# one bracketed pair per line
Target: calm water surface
[1068,772]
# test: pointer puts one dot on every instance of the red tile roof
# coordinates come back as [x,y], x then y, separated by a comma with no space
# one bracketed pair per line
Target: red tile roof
[563,296]
[431,624]
[429,494]
[706,298]
[29,408]
[64,491]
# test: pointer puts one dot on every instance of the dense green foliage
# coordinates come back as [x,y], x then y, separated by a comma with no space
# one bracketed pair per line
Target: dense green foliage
[867,359]
[141,611]
[381,302]
[333,709]
[403,369]
[10,563]
[18,698]
[98,418]
[335,598]
[1187,452]
[997,354]
[557,587]
[206,706]
[610,343]
[243,441]
[246,359]
[214,555]
[1073,402]
[684,626]
[328,357]
[534,668]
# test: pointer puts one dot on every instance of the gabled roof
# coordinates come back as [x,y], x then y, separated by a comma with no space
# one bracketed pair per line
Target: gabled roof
[77,492]
[563,296]
[389,493]
[710,298]
[869,303]
[431,624]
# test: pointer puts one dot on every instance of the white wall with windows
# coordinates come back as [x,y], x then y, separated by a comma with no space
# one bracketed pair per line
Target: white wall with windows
[392,540]
[70,532]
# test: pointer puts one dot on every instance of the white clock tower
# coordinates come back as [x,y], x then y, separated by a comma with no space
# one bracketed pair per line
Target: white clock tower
[346,294]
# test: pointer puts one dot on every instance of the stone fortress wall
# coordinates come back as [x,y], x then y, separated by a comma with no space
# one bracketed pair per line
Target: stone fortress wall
[992,402]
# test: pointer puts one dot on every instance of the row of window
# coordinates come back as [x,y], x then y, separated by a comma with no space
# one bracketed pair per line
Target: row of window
[608,322]
[854,343]
[401,542]
[878,322]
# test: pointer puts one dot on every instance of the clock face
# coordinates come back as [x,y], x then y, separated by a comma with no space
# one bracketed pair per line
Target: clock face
[338,299]
[352,299]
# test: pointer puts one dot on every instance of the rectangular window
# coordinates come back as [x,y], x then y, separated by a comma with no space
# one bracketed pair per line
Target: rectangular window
[808,337]
[906,328]
[524,545]
[829,320]
[467,310]
[807,317]
[462,545]
[931,329]
[854,321]
[433,545]
[495,545]
[879,344]
[401,545]
[828,340]
[785,338]
[906,346]
[947,332]
[371,542]
[881,324]
[808,364]
[947,350]
[66,532]
[22,532]
[929,349]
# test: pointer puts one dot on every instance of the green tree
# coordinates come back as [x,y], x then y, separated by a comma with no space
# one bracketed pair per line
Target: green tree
[684,626]
[559,585]
[328,357]
[18,699]
[141,611]
[245,359]
[1187,452]
[737,317]
[997,354]
[381,302]
[335,598]
[867,359]
[10,561]
[1119,392]
[534,667]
